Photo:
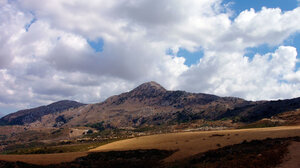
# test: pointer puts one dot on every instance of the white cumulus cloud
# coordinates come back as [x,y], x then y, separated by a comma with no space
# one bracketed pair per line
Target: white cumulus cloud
[265,76]
[45,55]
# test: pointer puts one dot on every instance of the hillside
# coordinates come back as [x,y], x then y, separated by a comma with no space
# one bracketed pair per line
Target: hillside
[150,104]
[31,115]
[69,126]
[266,109]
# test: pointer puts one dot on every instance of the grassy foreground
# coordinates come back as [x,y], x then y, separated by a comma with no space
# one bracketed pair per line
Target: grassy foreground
[48,149]
[263,153]
[192,143]
[183,145]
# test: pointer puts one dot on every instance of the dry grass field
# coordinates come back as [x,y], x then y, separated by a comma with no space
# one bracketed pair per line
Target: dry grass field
[186,143]
[43,159]
[191,143]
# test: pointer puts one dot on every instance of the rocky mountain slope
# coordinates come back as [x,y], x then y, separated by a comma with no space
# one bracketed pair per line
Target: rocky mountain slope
[151,104]
[266,109]
[148,104]
[31,115]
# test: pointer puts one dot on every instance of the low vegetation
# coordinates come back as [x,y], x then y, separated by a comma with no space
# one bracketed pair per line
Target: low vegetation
[53,148]
[261,124]
[125,159]
[99,126]
[264,153]
[257,153]
[13,148]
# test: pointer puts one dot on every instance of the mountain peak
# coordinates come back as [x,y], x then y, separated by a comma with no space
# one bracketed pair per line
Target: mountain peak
[148,88]
[151,85]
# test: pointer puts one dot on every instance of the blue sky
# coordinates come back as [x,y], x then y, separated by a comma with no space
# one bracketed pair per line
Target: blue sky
[294,40]
[237,6]
[97,45]
[240,5]
[285,5]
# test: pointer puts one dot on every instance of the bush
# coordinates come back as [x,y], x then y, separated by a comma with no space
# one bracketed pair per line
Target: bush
[99,126]
[89,131]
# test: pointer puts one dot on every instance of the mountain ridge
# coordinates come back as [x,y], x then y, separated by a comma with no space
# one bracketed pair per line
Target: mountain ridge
[151,104]
[28,116]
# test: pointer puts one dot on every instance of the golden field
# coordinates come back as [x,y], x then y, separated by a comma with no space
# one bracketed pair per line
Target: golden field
[191,143]
[186,143]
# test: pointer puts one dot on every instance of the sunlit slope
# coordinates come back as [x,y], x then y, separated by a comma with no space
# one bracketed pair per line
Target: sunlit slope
[191,143]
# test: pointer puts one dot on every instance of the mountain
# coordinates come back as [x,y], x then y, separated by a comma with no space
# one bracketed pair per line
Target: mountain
[266,109]
[31,115]
[148,104]
[151,104]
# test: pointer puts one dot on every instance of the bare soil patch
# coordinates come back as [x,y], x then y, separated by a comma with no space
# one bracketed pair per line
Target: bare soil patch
[292,159]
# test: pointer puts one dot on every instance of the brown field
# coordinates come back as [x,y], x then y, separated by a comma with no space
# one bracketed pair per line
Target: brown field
[191,143]
[187,144]
[44,159]
[292,159]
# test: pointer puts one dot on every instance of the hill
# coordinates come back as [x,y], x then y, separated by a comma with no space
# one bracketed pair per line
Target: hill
[68,126]
[31,115]
[266,109]
[150,104]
